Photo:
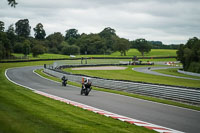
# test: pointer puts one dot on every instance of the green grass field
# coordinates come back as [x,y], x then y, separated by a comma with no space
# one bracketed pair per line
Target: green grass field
[130,53]
[129,74]
[153,53]
[43,56]
[23,111]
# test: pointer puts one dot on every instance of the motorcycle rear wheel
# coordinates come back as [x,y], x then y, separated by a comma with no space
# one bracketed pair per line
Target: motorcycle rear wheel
[82,91]
[86,91]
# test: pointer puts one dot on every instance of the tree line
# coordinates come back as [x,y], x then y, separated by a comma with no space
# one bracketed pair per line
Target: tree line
[17,39]
[189,55]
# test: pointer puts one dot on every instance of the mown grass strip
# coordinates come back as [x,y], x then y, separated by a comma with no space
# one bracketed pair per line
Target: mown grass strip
[169,102]
[23,111]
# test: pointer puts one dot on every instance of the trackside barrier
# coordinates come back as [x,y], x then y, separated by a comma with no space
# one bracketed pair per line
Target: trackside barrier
[191,96]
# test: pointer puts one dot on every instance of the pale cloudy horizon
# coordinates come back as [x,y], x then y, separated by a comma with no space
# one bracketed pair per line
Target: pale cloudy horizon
[169,21]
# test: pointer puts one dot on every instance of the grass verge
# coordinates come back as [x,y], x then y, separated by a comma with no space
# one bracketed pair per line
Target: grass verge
[169,102]
[23,111]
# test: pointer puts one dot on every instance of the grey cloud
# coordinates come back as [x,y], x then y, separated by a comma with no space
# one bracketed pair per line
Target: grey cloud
[170,21]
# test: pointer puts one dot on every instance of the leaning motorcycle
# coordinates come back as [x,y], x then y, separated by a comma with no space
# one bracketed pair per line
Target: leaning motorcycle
[64,81]
[86,86]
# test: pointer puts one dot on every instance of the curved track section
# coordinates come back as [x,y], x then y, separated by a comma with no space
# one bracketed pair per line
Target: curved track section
[168,116]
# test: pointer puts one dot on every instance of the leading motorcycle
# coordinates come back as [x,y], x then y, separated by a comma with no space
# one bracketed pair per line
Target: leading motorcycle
[86,86]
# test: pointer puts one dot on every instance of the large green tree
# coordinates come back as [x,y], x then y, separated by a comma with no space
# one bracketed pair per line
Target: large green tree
[70,50]
[107,32]
[37,50]
[122,45]
[26,47]
[5,45]
[55,39]
[2,26]
[11,35]
[91,44]
[22,28]
[39,32]
[142,46]
[18,47]
[109,35]
[2,50]
[189,55]
[54,42]
[71,36]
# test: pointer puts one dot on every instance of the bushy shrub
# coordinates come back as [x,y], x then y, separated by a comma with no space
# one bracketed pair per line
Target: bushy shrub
[53,50]
[189,55]
[194,67]
[70,50]
[18,47]
[2,51]
[37,50]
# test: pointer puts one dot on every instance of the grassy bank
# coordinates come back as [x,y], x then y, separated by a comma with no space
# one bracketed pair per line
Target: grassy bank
[153,53]
[43,56]
[23,111]
[169,102]
[136,76]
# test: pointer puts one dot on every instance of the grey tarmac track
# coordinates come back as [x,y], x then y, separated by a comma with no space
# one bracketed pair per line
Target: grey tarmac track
[164,115]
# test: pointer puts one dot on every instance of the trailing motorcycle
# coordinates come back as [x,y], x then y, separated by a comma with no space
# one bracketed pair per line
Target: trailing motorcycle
[64,81]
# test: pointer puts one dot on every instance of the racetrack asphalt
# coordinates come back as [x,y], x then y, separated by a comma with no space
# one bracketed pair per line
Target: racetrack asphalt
[181,119]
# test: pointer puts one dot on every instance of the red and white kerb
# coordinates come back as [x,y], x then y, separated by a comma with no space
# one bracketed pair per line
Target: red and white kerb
[112,115]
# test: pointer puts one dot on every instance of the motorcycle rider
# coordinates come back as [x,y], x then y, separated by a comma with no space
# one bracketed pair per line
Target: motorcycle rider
[64,81]
[87,84]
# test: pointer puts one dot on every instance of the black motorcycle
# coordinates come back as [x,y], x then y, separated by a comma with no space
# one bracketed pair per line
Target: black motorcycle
[64,81]
[86,86]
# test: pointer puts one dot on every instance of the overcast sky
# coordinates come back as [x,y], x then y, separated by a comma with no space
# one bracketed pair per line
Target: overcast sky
[169,21]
